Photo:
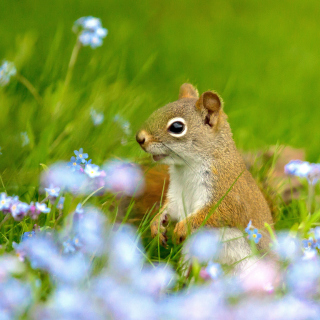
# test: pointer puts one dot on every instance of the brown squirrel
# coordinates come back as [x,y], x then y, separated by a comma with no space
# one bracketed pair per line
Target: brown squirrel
[208,177]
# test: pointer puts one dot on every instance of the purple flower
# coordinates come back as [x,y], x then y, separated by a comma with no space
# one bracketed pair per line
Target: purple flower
[74,164]
[80,155]
[254,235]
[124,178]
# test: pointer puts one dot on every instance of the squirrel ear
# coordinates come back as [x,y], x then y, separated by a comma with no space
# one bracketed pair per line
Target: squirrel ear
[212,103]
[187,90]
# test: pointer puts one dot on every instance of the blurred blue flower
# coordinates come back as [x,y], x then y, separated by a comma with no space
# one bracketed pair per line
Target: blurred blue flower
[28,235]
[42,207]
[25,139]
[18,209]
[68,246]
[61,176]
[125,253]
[92,31]
[97,117]
[80,155]
[248,227]
[7,70]
[287,247]
[309,243]
[303,277]
[91,231]
[254,235]
[4,202]
[297,168]
[214,270]
[124,178]
[203,246]
[74,164]
[60,203]
[314,174]
[52,191]
[92,170]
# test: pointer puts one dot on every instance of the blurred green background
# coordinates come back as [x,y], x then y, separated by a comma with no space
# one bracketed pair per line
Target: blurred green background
[262,57]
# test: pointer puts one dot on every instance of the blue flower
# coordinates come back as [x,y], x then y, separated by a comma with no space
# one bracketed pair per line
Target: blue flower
[97,118]
[92,170]
[61,203]
[25,139]
[254,235]
[92,32]
[18,209]
[248,227]
[79,210]
[214,270]
[74,164]
[28,235]
[4,202]
[80,155]
[68,246]
[309,244]
[53,192]
[41,207]
[7,70]
[298,168]
[203,246]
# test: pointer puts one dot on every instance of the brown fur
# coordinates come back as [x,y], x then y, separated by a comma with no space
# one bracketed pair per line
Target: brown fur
[209,139]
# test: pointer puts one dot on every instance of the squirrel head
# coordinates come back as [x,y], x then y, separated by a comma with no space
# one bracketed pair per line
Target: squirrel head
[184,130]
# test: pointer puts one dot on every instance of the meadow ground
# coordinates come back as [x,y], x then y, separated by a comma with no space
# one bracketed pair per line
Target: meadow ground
[261,57]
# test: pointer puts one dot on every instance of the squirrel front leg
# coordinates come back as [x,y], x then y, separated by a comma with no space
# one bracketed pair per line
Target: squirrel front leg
[159,225]
[217,219]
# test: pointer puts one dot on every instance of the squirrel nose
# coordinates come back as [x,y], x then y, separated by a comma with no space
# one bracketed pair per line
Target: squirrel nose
[141,137]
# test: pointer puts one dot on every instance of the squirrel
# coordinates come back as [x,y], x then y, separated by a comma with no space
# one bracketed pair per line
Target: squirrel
[209,182]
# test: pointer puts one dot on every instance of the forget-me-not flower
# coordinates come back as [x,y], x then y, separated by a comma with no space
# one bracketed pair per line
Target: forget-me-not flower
[92,170]
[7,70]
[80,155]
[42,207]
[92,31]
[254,235]
[53,192]
[97,117]
[74,164]
[4,202]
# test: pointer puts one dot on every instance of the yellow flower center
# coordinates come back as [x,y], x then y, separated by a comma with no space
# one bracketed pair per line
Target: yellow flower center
[52,190]
[92,172]
[80,155]
[14,207]
[254,235]
[3,201]
[74,163]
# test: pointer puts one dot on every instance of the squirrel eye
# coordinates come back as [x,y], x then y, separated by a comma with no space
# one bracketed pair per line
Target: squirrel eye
[177,127]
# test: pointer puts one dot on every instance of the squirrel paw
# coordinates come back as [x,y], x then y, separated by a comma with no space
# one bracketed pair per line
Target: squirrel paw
[158,226]
[180,232]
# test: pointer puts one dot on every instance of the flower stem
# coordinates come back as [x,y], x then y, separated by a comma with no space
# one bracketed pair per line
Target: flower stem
[310,197]
[30,87]
[72,62]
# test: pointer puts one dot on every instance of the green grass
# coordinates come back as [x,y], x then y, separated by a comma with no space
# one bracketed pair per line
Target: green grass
[262,57]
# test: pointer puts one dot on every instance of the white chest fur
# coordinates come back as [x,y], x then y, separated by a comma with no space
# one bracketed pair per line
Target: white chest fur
[189,190]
